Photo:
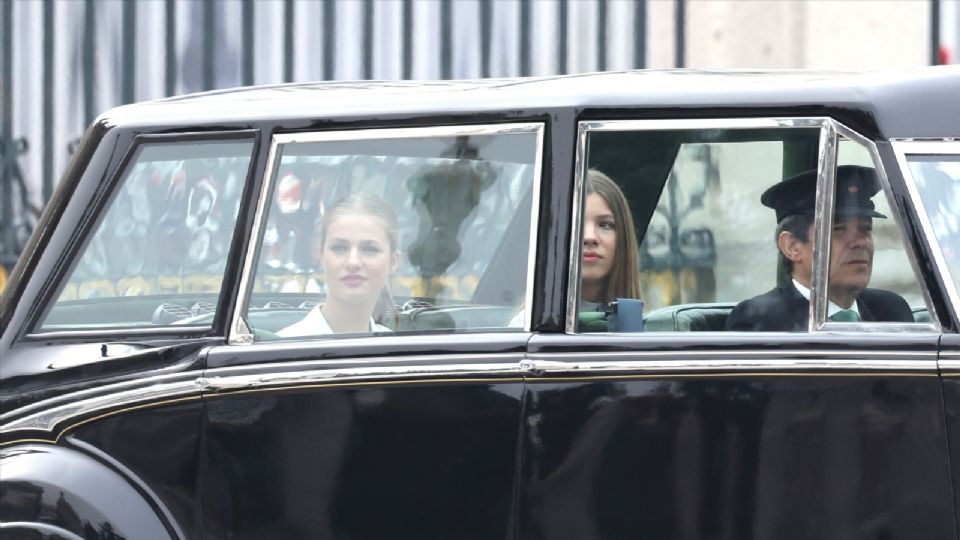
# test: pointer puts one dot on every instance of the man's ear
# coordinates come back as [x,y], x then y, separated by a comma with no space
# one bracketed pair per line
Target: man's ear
[790,246]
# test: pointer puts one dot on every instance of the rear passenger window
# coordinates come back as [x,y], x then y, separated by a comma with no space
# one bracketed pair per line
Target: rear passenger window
[386,231]
[713,230]
[160,248]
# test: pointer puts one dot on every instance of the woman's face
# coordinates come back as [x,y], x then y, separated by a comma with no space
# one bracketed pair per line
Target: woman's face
[599,241]
[357,258]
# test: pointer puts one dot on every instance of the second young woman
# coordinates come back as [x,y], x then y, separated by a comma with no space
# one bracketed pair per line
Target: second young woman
[610,264]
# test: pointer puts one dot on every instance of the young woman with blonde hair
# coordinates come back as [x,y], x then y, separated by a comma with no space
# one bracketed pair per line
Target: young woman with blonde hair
[359,250]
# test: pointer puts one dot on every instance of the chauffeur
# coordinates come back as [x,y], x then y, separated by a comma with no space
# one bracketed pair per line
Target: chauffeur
[786,308]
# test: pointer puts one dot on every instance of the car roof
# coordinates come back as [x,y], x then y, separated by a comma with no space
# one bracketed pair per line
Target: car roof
[903,104]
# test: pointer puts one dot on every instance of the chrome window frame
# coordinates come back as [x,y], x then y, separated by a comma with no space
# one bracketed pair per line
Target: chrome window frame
[830,131]
[240,333]
[903,148]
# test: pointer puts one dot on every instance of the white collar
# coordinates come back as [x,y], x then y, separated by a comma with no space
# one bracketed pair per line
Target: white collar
[315,324]
[831,307]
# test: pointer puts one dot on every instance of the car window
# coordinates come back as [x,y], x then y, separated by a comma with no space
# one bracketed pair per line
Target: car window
[159,250]
[708,211]
[870,278]
[938,180]
[390,231]
[704,240]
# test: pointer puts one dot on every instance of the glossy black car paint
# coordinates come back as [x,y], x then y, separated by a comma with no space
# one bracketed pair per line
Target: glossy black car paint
[795,453]
[735,454]
[737,457]
[66,491]
[427,460]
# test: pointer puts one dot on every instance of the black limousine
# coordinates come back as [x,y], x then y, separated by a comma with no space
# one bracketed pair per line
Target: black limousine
[684,304]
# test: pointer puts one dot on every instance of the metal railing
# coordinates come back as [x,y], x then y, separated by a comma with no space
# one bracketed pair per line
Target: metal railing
[114,56]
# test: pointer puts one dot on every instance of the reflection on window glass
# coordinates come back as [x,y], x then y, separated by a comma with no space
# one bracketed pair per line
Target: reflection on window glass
[160,249]
[938,180]
[395,234]
[709,221]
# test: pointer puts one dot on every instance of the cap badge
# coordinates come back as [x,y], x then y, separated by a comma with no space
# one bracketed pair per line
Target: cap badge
[853,189]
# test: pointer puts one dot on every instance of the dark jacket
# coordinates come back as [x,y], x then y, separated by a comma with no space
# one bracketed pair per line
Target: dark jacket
[784,309]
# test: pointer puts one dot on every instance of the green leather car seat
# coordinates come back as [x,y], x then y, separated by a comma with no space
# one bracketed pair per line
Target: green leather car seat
[454,317]
[689,318]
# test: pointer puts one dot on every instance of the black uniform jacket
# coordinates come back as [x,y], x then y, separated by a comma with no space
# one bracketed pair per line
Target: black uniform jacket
[784,309]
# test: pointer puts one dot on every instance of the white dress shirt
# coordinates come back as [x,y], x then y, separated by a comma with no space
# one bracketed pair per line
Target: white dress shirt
[831,307]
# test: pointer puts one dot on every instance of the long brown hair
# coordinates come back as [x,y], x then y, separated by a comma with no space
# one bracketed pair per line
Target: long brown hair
[624,278]
[371,205]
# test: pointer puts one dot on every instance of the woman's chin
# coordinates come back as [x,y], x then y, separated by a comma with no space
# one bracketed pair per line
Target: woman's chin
[353,295]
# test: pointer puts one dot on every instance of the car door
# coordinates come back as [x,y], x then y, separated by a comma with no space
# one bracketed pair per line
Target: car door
[673,427]
[409,428]
[932,174]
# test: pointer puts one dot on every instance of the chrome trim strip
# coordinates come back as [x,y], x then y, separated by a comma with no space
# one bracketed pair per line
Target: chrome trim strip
[128,332]
[823,220]
[239,332]
[437,361]
[929,146]
[880,327]
[47,419]
[759,365]
[901,149]
[46,415]
[951,364]
[533,243]
[224,382]
[576,228]
[703,361]
[365,134]
[776,354]
[93,393]
[704,123]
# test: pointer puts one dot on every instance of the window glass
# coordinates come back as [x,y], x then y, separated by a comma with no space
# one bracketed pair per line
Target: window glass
[725,221]
[159,251]
[870,276]
[706,242]
[370,234]
[938,180]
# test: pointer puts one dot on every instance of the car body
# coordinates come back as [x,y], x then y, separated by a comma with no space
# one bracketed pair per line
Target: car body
[147,393]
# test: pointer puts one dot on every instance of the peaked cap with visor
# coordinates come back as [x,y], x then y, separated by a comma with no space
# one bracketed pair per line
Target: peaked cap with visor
[797,195]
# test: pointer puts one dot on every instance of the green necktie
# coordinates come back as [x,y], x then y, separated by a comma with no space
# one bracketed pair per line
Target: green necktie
[845,315]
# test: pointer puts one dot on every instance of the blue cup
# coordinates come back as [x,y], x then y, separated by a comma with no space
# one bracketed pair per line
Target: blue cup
[627,317]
